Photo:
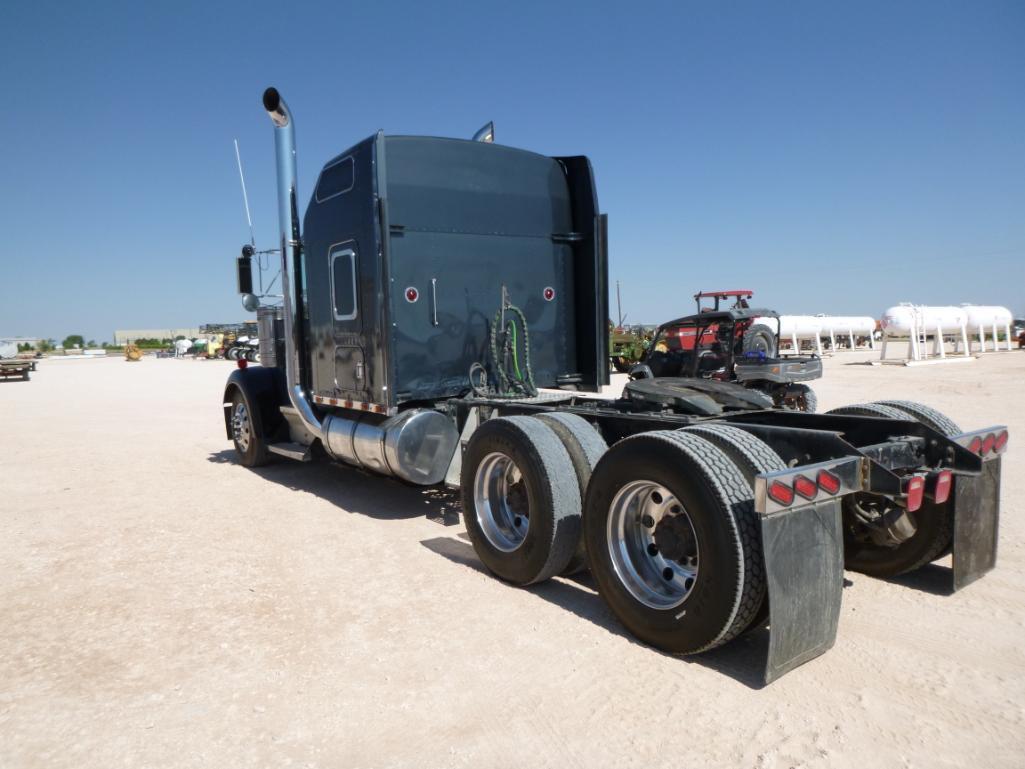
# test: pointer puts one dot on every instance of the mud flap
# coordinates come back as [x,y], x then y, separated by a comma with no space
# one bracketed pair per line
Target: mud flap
[976,520]
[803,550]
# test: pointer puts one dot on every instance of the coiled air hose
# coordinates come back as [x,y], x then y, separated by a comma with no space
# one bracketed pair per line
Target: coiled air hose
[514,382]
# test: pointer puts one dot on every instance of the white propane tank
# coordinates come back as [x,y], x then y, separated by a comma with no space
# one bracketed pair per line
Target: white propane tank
[794,328]
[901,319]
[916,323]
[848,324]
[992,319]
[987,315]
[898,320]
[801,326]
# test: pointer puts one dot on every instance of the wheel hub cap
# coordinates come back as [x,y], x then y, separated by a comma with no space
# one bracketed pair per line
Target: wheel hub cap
[500,500]
[240,428]
[652,544]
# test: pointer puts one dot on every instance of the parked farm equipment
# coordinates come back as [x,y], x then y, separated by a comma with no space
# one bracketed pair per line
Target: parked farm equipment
[724,351]
[14,365]
[437,284]
[16,368]
[627,346]
[244,348]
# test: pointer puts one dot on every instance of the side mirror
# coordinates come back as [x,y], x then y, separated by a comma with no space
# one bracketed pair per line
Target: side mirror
[641,371]
[244,265]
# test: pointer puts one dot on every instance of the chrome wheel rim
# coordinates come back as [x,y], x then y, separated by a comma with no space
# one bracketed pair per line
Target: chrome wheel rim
[652,544]
[500,502]
[240,427]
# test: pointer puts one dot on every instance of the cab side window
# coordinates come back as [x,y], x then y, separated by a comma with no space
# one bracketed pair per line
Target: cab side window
[343,282]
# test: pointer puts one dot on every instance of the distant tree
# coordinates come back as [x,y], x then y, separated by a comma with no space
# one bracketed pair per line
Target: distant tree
[92,343]
[150,344]
[73,340]
[25,347]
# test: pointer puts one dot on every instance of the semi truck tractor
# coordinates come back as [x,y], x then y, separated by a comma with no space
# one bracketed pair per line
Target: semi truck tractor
[445,322]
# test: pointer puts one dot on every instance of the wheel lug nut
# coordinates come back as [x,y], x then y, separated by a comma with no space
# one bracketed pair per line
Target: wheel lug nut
[517,521]
[652,549]
[647,521]
[667,574]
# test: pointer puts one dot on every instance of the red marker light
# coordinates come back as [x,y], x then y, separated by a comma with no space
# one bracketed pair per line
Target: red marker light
[549,293]
[916,492]
[805,487]
[976,445]
[828,482]
[943,482]
[412,294]
[987,445]
[242,363]
[781,493]
[1000,442]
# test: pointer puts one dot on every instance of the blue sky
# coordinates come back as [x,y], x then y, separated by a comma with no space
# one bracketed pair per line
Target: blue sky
[833,157]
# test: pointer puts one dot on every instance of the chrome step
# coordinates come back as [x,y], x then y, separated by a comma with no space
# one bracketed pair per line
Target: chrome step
[292,451]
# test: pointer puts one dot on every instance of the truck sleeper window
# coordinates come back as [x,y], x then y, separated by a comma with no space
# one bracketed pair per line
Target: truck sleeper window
[336,179]
[343,283]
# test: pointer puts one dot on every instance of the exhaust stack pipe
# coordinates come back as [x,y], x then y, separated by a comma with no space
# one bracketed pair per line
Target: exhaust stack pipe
[288,221]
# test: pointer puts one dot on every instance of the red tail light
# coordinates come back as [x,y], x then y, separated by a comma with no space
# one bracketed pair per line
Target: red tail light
[916,491]
[976,445]
[943,482]
[805,487]
[1000,442]
[781,493]
[987,445]
[242,363]
[828,482]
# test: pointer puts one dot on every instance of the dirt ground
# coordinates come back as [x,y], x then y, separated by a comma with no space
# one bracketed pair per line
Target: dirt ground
[162,606]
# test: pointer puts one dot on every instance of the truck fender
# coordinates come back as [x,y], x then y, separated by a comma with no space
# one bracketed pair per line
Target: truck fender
[265,392]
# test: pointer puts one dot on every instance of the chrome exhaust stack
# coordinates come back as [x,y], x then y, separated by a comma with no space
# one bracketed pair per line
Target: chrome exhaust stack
[288,221]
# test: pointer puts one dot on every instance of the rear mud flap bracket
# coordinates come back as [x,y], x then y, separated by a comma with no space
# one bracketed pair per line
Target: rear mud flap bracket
[803,550]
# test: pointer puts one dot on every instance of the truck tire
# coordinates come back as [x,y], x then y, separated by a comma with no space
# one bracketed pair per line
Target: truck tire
[760,338]
[693,579]
[935,533]
[928,416]
[247,432]
[870,410]
[585,447]
[521,499]
[805,398]
[752,456]
[931,540]
[934,523]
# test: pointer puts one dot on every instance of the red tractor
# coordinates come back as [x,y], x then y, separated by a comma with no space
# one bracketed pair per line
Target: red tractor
[725,347]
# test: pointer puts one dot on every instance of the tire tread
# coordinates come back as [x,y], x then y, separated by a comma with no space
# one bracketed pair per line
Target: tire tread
[927,415]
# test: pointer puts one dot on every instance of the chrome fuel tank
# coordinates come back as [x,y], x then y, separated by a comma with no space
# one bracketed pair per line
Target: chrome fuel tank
[416,445]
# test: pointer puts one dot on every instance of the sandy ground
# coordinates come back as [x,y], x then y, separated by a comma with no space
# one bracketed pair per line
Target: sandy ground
[162,606]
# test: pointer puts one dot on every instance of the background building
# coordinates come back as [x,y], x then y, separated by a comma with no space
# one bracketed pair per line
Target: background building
[123,336]
[34,341]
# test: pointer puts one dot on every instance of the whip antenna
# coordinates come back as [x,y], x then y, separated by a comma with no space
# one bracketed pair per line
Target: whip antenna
[245,197]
